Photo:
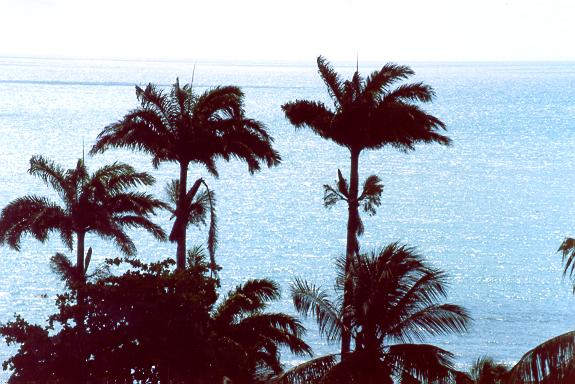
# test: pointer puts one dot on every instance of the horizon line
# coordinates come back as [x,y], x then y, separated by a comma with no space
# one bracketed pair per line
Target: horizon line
[275,61]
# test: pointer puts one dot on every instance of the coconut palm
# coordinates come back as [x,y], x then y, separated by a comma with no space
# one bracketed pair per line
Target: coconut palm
[101,203]
[395,299]
[368,114]
[185,128]
[242,325]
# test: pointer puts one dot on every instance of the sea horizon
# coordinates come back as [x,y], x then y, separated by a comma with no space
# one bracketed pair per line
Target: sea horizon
[491,210]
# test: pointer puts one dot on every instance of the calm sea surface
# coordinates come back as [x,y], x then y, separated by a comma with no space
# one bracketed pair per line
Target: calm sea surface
[490,210]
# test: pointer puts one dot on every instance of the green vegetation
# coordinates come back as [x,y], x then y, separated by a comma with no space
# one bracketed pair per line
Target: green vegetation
[128,321]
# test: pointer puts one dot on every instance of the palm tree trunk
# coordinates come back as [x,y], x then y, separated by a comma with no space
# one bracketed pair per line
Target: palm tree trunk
[80,252]
[180,209]
[351,246]
[80,317]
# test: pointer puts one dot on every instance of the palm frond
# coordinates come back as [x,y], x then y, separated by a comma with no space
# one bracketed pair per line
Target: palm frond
[567,249]
[115,233]
[209,197]
[248,298]
[310,300]
[35,215]
[486,370]
[196,256]
[278,330]
[172,191]
[378,81]
[52,175]
[66,270]
[310,372]
[135,221]
[432,320]
[413,92]
[426,363]
[332,195]
[371,195]
[553,361]
[118,177]
[404,125]
[313,114]
[331,79]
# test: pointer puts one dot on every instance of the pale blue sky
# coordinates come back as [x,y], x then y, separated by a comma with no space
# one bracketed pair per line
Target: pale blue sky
[416,30]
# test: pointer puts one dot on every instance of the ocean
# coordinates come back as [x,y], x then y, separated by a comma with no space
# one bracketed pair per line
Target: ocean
[490,210]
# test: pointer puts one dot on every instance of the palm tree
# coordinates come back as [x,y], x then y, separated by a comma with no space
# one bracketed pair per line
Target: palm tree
[484,371]
[242,325]
[394,300]
[184,127]
[552,361]
[368,114]
[99,203]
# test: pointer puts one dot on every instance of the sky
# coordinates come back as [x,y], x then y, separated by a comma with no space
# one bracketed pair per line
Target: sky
[409,30]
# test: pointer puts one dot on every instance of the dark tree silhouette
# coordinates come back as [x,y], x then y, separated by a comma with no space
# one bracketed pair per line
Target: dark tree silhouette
[184,127]
[368,114]
[395,298]
[484,371]
[101,203]
[552,361]
[154,325]
[197,206]
[242,325]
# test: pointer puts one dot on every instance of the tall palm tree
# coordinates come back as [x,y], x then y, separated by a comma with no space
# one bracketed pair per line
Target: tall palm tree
[368,114]
[100,203]
[184,127]
[242,324]
[395,299]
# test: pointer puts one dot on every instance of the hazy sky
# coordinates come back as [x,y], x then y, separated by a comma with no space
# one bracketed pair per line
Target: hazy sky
[416,30]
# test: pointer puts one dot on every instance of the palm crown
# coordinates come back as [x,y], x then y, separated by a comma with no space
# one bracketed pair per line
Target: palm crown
[100,203]
[395,300]
[369,113]
[243,324]
[184,127]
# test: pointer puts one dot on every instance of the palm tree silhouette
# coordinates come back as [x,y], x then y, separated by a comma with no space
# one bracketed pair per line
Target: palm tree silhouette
[368,114]
[197,206]
[483,371]
[184,127]
[394,299]
[552,361]
[100,203]
[242,324]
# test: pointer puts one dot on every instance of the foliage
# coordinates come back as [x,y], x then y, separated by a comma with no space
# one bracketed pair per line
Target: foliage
[196,206]
[151,324]
[184,127]
[102,203]
[368,114]
[484,371]
[395,300]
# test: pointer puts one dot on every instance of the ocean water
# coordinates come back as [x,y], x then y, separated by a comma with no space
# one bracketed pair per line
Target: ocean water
[490,210]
